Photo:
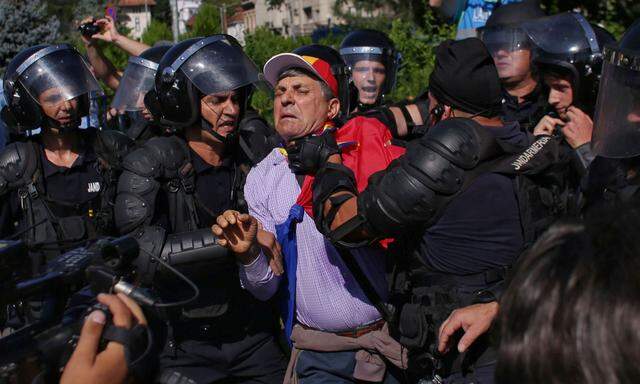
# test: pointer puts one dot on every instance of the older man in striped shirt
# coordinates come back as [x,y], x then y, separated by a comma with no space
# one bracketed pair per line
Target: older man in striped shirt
[334,320]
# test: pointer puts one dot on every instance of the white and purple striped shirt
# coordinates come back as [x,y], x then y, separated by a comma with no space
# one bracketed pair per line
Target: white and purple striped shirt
[327,296]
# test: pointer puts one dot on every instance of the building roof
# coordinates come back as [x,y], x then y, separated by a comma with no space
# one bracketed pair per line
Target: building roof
[135,3]
[237,17]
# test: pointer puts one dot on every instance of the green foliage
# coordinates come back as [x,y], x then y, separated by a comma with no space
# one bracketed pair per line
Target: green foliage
[615,15]
[156,31]
[417,49]
[206,22]
[362,13]
[86,8]
[264,43]
[260,46]
[162,11]
[24,23]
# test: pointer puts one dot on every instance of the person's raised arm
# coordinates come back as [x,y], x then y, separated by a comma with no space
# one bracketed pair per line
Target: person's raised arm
[110,34]
[102,67]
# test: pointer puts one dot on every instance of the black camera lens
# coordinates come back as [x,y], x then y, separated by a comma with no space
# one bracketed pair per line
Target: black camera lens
[88,29]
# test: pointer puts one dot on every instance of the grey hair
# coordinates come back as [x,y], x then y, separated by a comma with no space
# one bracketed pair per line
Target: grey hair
[324,87]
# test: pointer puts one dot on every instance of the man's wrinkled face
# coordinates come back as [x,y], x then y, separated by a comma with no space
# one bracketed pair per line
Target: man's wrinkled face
[368,77]
[63,112]
[560,94]
[222,111]
[300,107]
[513,66]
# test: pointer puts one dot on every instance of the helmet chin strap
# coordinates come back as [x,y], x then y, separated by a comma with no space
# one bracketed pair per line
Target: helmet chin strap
[226,140]
[365,107]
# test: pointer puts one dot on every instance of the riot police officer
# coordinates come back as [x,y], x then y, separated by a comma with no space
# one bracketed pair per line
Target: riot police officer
[133,117]
[171,193]
[513,52]
[373,64]
[58,186]
[373,61]
[613,175]
[569,61]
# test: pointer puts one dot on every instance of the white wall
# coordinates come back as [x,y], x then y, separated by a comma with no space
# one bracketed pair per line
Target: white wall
[138,21]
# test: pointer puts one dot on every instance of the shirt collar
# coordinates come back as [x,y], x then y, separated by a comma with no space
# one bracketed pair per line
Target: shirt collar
[529,98]
[85,155]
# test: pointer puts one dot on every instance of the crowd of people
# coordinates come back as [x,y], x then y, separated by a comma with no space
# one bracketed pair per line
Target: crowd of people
[482,232]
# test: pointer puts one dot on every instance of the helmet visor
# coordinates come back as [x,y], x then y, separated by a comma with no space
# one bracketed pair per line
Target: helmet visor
[58,76]
[566,33]
[137,80]
[510,48]
[373,71]
[220,66]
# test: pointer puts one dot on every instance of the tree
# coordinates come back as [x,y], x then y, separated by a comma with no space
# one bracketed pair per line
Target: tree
[155,32]
[615,15]
[417,49]
[162,11]
[86,8]
[24,24]
[206,22]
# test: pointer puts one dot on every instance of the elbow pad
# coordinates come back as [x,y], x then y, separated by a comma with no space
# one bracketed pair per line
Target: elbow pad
[417,186]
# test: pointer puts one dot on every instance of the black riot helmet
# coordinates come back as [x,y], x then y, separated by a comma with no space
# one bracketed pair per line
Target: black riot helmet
[138,79]
[44,76]
[371,45]
[339,70]
[616,132]
[569,45]
[195,68]
[505,38]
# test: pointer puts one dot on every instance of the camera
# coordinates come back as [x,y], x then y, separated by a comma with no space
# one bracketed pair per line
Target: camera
[88,29]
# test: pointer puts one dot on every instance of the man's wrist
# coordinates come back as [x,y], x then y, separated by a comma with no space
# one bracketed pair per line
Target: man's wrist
[250,255]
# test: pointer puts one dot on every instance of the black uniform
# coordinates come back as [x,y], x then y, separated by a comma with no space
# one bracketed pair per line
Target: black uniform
[55,208]
[528,112]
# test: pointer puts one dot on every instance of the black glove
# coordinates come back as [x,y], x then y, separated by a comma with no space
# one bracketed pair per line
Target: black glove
[308,154]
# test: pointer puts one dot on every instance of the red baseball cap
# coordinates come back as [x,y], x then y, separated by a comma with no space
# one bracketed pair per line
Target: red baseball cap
[283,61]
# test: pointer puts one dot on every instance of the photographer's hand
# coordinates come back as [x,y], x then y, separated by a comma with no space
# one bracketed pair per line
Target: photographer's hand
[110,33]
[86,365]
[88,41]
[102,67]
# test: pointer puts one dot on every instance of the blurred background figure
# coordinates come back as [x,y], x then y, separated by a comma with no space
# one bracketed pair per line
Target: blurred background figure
[471,14]
[373,60]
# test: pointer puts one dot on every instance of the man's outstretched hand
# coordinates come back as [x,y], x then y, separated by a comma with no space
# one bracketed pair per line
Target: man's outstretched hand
[475,320]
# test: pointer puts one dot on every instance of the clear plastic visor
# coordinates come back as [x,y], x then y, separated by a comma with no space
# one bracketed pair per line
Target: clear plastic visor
[220,67]
[136,81]
[616,132]
[57,77]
